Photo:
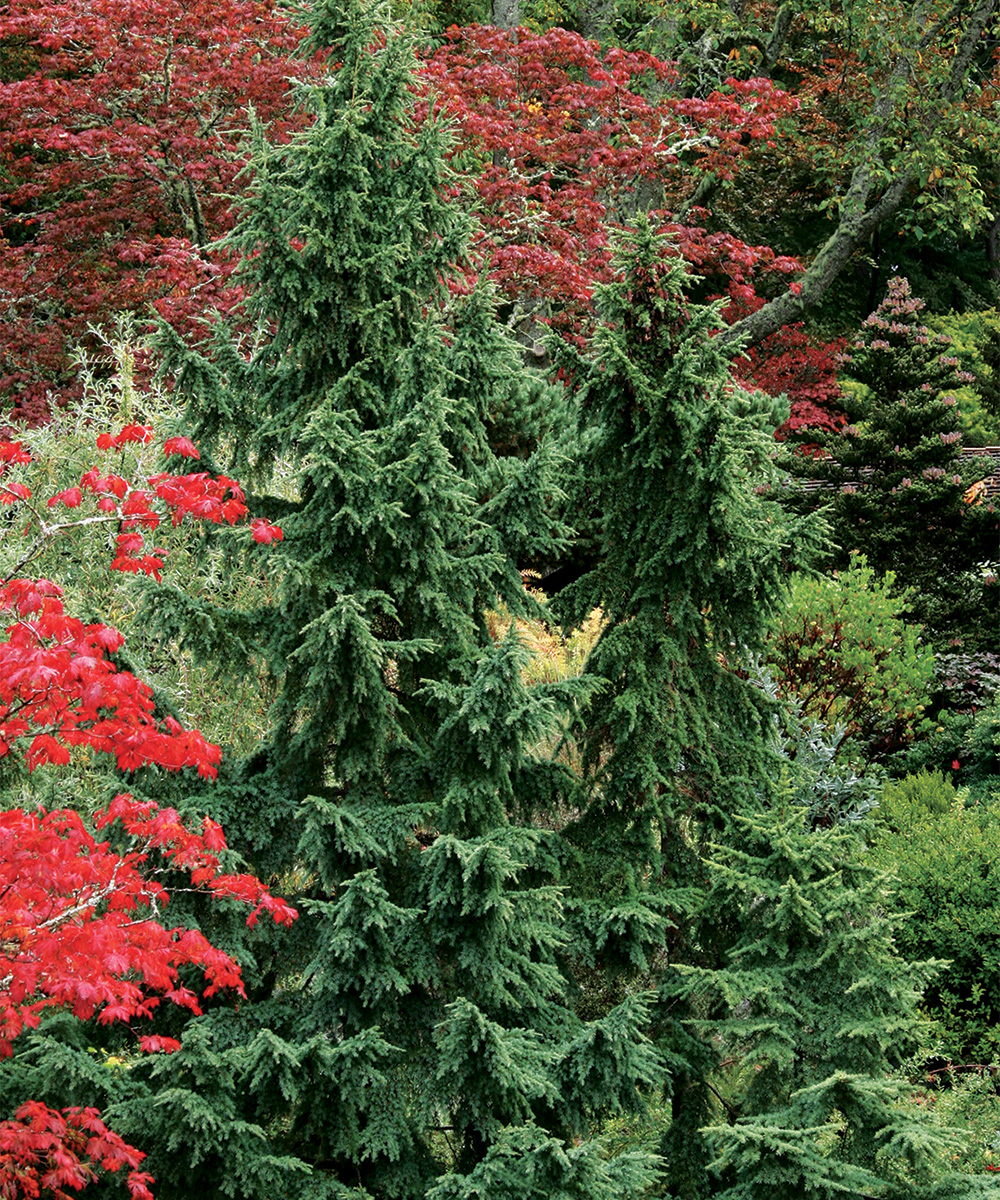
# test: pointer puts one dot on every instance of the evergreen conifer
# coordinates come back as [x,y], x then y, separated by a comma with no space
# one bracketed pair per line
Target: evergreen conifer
[693,556]
[416,1035]
[818,1006]
[988,375]
[894,476]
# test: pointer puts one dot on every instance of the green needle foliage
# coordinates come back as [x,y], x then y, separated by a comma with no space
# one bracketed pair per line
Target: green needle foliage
[818,1003]
[415,1034]
[693,561]
[692,565]
[945,856]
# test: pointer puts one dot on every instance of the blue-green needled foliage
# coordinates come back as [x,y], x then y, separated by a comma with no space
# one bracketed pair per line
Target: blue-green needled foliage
[693,561]
[819,1007]
[416,1033]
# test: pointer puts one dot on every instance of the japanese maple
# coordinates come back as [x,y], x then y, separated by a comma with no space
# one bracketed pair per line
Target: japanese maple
[121,129]
[42,1149]
[59,685]
[120,124]
[793,364]
[81,919]
[77,917]
[121,144]
[569,139]
[79,929]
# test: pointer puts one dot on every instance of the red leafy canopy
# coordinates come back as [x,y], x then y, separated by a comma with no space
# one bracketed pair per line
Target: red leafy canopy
[56,1154]
[792,363]
[77,930]
[119,129]
[564,137]
[59,688]
[79,921]
[68,922]
[76,917]
[119,135]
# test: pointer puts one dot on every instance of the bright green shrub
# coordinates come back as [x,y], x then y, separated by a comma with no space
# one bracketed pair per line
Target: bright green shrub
[929,792]
[948,871]
[843,650]
[969,334]
[970,1101]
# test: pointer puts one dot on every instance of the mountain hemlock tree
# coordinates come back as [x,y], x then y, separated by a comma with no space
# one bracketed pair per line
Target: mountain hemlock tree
[693,558]
[894,475]
[415,1037]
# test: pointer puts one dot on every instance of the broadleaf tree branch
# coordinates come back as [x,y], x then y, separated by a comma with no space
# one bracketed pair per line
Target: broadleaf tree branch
[859,218]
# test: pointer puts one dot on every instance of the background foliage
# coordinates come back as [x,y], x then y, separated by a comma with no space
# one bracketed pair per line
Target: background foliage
[591,797]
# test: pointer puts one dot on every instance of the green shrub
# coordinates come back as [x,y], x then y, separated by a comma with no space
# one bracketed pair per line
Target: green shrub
[842,650]
[947,865]
[969,334]
[929,793]
[936,750]
[979,759]
[965,1099]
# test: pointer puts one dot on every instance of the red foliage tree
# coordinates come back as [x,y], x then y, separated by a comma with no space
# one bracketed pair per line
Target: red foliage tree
[45,1151]
[69,909]
[78,929]
[80,923]
[120,124]
[790,362]
[567,141]
[120,147]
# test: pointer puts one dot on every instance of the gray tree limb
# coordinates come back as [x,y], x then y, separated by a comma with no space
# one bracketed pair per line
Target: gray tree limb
[861,213]
[779,34]
[505,14]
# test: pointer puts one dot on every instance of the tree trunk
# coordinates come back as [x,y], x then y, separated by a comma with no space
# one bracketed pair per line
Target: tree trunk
[505,14]
[993,236]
